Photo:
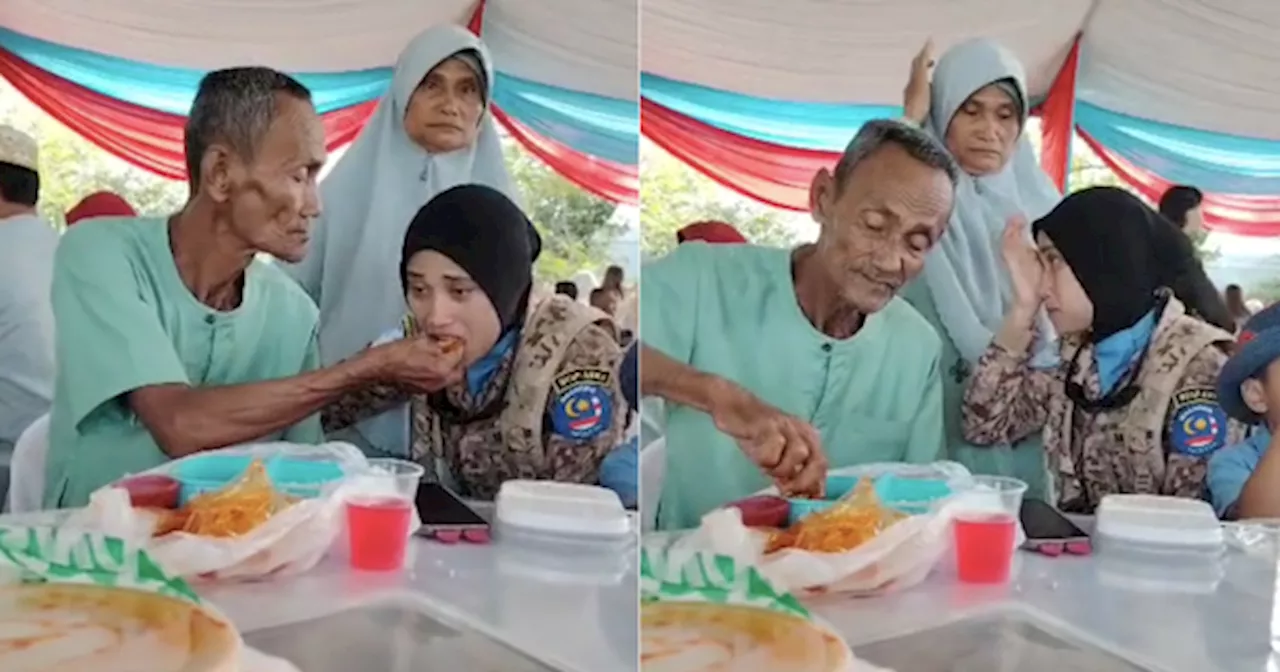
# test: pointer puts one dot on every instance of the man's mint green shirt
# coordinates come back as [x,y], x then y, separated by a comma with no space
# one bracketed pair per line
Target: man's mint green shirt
[731,310]
[125,320]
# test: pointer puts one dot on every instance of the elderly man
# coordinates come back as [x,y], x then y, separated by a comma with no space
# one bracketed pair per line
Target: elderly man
[173,337]
[27,244]
[804,356]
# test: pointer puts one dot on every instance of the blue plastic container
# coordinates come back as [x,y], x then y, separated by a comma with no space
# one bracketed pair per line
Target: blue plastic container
[909,495]
[294,477]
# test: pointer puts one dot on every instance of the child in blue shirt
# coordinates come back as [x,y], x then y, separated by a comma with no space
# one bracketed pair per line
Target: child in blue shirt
[620,470]
[1244,478]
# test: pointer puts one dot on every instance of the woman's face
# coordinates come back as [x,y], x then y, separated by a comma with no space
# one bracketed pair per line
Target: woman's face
[983,131]
[443,114]
[1069,308]
[446,302]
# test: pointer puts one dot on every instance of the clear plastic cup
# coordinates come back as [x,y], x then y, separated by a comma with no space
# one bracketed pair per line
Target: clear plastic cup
[379,512]
[985,528]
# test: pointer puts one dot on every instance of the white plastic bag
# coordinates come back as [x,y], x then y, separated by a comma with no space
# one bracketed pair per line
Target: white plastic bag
[290,542]
[899,557]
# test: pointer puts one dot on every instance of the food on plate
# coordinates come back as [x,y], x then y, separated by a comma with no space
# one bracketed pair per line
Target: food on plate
[763,511]
[851,522]
[51,627]
[707,637]
[230,512]
[153,491]
[449,345]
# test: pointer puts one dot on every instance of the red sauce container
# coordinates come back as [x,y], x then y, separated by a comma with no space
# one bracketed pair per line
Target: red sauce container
[763,511]
[154,491]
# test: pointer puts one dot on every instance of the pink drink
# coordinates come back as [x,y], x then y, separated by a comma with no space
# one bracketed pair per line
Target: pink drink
[984,547]
[379,532]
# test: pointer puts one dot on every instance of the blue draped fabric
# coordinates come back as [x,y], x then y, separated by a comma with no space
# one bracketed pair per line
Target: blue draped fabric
[602,127]
[1215,162]
[817,126]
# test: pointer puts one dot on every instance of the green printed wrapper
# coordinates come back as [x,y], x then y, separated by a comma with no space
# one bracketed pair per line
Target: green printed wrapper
[669,573]
[51,555]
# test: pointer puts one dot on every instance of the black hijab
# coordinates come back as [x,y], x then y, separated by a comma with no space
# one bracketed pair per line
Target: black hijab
[1123,253]
[487,235]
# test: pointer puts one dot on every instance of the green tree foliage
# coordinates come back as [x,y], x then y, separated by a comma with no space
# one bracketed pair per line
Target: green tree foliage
[72,167]
[673,195]
[577,228]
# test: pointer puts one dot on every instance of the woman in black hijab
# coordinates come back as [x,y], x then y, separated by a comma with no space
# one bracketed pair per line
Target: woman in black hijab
[535,394]
[1133,408]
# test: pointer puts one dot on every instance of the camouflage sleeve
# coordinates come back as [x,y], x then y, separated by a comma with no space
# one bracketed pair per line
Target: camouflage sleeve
[362,404]
[586,410]
[1196,426]
[1006,400]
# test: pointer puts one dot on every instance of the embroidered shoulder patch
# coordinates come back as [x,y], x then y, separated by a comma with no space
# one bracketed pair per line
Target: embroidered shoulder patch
[582,403]
[1198,425]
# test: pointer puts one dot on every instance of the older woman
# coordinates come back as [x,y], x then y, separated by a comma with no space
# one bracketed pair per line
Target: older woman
[431,131]
[977,104]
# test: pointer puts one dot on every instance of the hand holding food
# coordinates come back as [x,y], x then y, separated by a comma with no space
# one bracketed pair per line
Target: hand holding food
[425,363]
[785,447]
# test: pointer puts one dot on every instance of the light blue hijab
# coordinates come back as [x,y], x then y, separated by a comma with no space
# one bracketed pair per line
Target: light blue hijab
[352,266]
[965,272]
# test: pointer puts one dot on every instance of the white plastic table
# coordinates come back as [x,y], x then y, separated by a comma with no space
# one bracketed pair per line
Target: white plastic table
[574,614]
[1228,628]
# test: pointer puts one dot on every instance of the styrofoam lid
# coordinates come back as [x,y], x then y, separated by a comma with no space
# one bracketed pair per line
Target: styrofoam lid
[569,509]
[1156,519]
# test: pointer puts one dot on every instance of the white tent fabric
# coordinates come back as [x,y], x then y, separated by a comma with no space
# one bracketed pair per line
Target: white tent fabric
[1197,63]
[584,45]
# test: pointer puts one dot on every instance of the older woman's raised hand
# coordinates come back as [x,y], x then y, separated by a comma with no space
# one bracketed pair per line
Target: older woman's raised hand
[916,96]
[1026,269]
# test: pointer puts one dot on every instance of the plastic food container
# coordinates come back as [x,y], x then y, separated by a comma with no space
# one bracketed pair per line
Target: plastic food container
[763,511]
[295,477]
[908,494]
[564,515]
[154,491]
[1160,523]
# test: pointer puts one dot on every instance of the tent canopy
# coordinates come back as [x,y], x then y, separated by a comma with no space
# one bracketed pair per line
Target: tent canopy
[1212,66]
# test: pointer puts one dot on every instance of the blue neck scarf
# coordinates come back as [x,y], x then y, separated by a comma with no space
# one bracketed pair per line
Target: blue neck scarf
[1115,354]
[480,373]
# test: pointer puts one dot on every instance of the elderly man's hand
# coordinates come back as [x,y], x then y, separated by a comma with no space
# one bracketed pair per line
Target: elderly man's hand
[785,447]
[422,363]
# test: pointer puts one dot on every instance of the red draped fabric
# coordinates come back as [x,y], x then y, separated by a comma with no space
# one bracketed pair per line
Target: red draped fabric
[146,138]
[608,180]
[1057,121]
[1240,215]
[770,173]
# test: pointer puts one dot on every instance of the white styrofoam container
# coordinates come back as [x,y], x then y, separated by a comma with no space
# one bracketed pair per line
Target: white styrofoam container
[563,510]
[1173,523]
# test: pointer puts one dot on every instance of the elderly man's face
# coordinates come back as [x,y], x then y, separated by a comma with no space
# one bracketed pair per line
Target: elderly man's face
[273,198]
[877,229]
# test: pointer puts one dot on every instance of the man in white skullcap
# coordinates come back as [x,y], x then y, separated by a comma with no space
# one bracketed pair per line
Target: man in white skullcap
[27,244]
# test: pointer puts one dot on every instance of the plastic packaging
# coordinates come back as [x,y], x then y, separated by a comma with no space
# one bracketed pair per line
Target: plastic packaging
[564,510]
[1160,523]
[291,541]
[696,605]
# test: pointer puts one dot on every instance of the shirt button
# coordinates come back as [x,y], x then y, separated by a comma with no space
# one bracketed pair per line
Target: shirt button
[208,319]
[826,347]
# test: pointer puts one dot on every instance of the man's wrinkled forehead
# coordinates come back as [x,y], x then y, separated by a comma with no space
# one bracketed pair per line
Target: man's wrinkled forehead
[892,172]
